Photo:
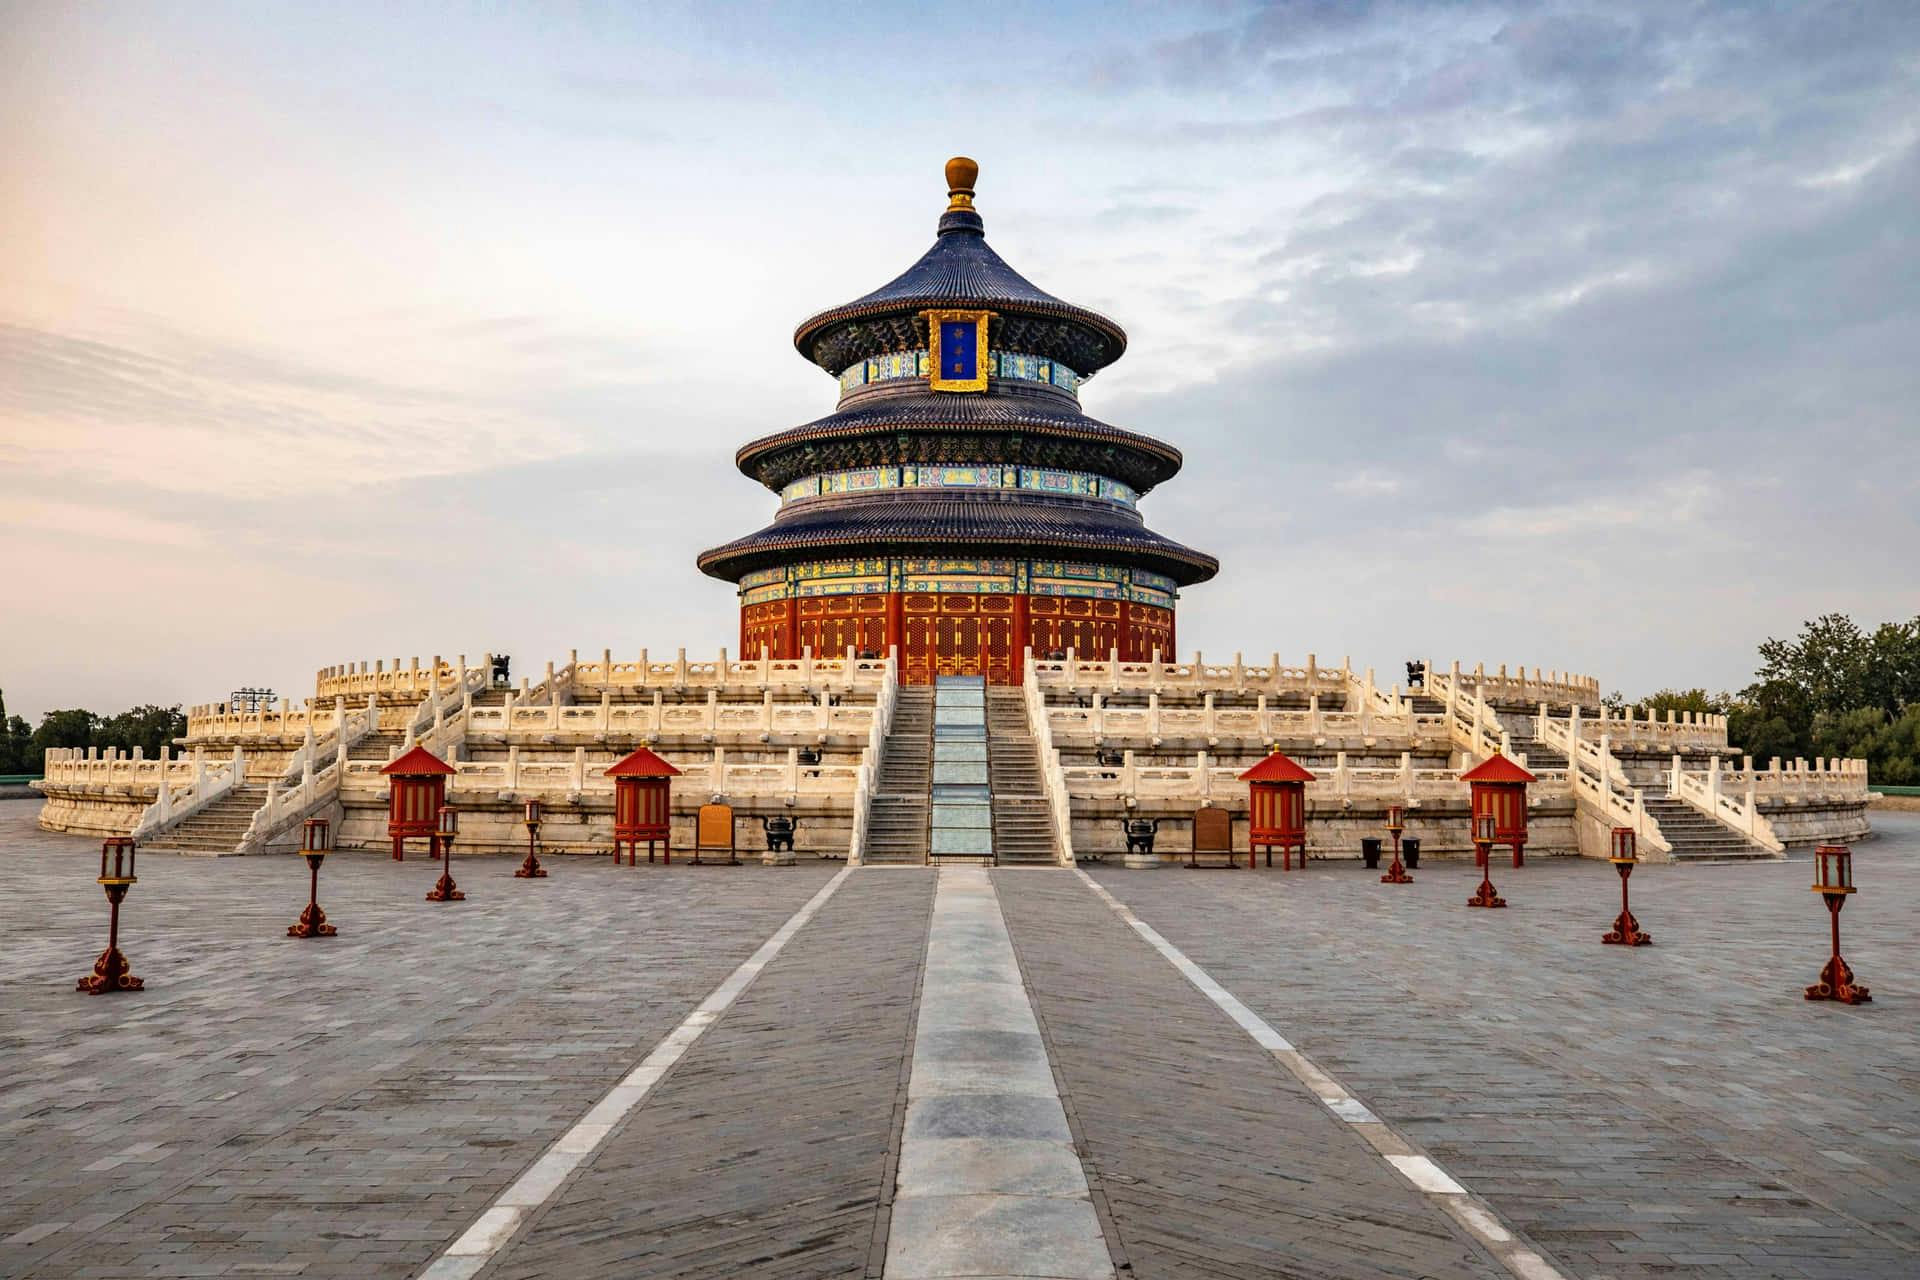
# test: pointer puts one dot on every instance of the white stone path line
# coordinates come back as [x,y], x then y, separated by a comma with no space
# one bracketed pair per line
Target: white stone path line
[1472,1213]
[989,1184]
[491,1231]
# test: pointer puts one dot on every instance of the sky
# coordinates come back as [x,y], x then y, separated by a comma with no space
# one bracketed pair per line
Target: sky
[1573,336]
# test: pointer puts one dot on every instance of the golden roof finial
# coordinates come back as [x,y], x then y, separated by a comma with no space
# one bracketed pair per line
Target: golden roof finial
[961,173]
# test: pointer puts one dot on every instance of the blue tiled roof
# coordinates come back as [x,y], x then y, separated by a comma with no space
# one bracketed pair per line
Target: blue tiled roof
[1088,530]
[962,270]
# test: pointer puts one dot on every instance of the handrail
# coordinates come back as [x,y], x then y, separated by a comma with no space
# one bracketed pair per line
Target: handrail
[1338,787]
[658,719]
[1703,792]
[1098,724]
[1597,779]
[1075,673]
[209,784]
[1542,686]
[880,724]
[1053,782]
[432,725]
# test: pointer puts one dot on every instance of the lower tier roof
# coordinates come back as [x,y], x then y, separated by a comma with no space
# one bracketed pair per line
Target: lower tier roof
[990,524]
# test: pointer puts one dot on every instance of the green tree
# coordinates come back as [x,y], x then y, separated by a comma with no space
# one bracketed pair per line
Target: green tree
[71,728]
[1769,719]
[9,761]
[1894,758]
[1829,662]
[1698,701]
[1892,677]
[18,736]
[1848,734]
[146,727]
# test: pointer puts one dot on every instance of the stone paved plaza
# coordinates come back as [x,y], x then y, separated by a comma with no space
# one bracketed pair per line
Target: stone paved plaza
[352,1107]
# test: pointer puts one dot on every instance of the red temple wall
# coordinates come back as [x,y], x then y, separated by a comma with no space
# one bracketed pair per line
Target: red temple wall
[942,634]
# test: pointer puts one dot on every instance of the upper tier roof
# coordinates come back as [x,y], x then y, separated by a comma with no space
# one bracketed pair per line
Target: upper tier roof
[960,270]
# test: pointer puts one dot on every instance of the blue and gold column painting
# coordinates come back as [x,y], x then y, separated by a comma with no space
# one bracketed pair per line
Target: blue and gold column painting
[959,347]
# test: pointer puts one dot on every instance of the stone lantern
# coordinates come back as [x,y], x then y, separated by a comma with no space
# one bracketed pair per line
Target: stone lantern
[111,972]
[316,842]
[1277,808]
[419,788]
[1624,854]
[1833,880]
[1500,792]
[642,805]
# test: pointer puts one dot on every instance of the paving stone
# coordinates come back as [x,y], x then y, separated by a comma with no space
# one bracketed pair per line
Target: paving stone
[347,1107]
[1634,1111]
[1211,1159]
[768,1149]
[435,1049]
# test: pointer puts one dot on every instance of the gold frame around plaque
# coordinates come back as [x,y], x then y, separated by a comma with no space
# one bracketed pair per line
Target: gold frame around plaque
[979,319]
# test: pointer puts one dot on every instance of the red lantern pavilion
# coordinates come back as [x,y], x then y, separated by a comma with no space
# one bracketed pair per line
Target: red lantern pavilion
[642,807]
[1277,808]
[1500,792]
[418,790]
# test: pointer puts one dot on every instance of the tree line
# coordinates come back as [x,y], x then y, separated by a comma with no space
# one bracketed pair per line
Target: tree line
[23,748]
[1833,690]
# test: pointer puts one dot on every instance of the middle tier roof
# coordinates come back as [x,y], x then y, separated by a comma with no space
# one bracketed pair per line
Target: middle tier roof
[1010,426]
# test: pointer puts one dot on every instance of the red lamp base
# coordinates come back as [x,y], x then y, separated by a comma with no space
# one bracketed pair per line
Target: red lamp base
[444,890]
[1396,874]
[530,870]
[1626,932]
[111,972]
[1836,983]
[1484,896]
[313,924]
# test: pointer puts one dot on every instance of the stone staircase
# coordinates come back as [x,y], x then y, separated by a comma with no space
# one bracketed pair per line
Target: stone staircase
[1695,837]
[1022,821]
[378,745]
[1539,755]
[215,829]
[898,815]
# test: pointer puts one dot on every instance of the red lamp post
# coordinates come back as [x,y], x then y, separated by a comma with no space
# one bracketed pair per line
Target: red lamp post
[419,789]
[531,868]
[1626,930]
[111,972]
[316,841]
[1396,825]
[1499,789]
[447,828]
[1833,880]
[1277,808]
[1483,841]
[642,805]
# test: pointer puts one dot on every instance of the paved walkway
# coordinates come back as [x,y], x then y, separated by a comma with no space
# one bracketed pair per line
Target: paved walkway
[353,1106]
[769,1150]
[989,1183]
[1673,1110]
[1210,1157]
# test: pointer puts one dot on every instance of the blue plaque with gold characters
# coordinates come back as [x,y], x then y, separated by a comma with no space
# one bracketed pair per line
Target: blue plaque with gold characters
[958,343]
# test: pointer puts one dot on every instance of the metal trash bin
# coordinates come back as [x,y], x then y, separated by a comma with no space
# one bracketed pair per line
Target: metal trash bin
[1410,852]
[1370,852]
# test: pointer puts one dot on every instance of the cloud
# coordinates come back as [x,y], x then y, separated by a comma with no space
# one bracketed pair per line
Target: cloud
[1482,326]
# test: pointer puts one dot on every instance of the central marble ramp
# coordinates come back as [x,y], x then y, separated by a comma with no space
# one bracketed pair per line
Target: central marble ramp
[989,1182]
[1211,1159]
[962,824]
